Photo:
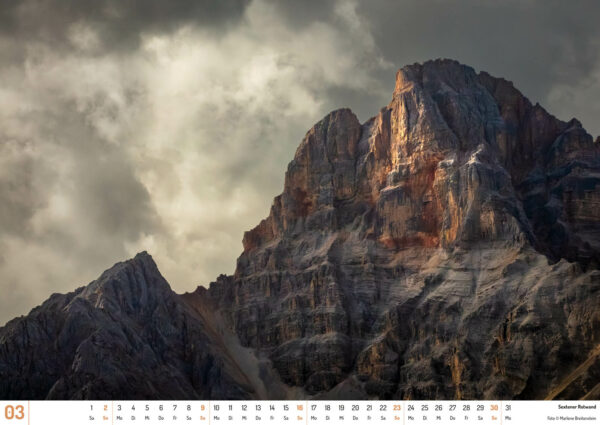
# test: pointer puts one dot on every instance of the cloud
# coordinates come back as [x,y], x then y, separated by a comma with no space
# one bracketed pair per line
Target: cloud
[111,24]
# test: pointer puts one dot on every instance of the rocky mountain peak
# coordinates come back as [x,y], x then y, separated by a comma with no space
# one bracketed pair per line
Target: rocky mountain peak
[440,72]
[460,186]
[135,285]
[455,157]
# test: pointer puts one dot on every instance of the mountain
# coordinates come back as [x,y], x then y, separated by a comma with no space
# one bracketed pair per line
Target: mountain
[126,335]
[447,248]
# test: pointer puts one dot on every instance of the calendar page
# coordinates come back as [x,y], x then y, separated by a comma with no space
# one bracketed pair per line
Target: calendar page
[325,212]
[299,412]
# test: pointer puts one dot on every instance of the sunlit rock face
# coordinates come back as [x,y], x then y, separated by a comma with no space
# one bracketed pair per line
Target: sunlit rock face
[446,248]
[455,157]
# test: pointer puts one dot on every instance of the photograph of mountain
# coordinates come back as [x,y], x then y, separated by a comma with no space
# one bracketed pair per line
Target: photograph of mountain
[445,246]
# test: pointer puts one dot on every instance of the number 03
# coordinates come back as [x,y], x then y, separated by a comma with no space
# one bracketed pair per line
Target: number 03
[14,412]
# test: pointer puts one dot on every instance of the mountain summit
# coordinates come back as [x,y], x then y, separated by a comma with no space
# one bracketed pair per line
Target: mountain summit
[446,248]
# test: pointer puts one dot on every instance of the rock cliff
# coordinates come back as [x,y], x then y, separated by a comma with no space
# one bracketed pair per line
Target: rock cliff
[446,248]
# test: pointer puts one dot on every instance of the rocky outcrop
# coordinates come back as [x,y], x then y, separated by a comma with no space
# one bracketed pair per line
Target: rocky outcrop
[124,336]
[446,248]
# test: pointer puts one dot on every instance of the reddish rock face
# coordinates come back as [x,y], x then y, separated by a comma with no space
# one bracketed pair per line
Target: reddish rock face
[455,157]
[401,248]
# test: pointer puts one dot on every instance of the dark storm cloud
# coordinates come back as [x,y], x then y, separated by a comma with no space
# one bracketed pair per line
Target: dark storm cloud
[534,42]
[106,193]
[119,23]
[96,176]
[301,13]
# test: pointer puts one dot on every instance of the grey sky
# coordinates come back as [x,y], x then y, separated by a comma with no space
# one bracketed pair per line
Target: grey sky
[168,127]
